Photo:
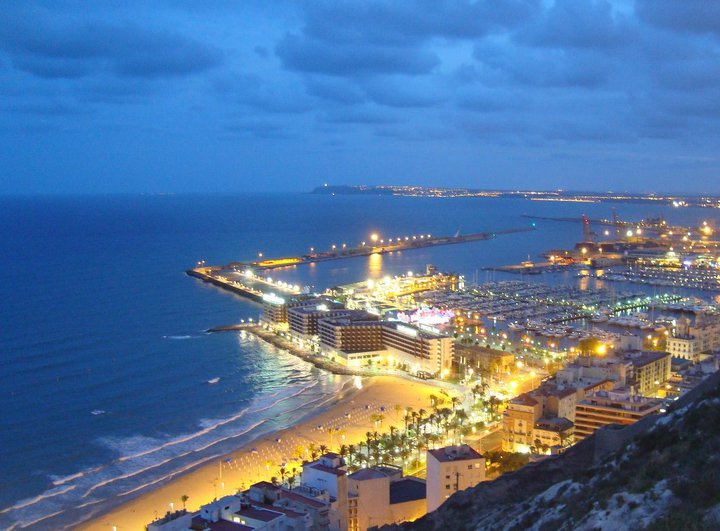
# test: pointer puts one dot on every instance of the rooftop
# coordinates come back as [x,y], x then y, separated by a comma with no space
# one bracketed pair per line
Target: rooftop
[199,524]
[554,424]
[262,515]
[407,489]
[455,453]
[524,400]
[367,473]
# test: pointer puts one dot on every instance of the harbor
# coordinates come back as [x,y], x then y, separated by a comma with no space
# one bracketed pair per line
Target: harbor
[250,279]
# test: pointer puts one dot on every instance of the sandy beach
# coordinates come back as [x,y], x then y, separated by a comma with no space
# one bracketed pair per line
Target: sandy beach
[345,422]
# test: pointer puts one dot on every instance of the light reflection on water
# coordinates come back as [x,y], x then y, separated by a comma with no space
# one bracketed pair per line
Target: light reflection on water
[375,265]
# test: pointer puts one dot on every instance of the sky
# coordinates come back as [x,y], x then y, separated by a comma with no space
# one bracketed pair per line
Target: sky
[256,96]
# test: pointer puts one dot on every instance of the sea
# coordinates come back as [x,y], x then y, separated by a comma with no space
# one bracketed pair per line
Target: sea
[104,356]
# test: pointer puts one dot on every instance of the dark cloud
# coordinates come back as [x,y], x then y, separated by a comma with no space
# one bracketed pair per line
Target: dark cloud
[543,67]
[321,57]
[56,48]
[394,23]
[572,24]
[698,16]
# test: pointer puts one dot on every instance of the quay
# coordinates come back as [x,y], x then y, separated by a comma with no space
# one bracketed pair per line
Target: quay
[243,279]
[376,246]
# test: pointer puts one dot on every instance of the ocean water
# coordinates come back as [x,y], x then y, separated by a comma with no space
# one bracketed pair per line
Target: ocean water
[104,359]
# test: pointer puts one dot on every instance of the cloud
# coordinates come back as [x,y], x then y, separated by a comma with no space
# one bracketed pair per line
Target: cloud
[360,38]
[694,16]
[572,24]
[49,47]
[320,57]
[266,95]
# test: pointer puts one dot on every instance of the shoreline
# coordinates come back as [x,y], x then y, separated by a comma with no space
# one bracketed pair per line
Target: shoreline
[350,417]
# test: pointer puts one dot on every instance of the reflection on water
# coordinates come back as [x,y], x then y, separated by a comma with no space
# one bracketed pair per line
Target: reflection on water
[375,265]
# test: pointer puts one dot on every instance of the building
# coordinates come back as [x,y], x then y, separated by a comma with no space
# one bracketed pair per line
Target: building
[357,332]
[275,308]
[452,469]
[553,435]
[519,420]
[611,407]
[355,339]
[303,320]
[381,495]
[172,521]
[586,369]
[650,371]
[328,474]
[481,359]
[557,402]
[690,340]
[418,350]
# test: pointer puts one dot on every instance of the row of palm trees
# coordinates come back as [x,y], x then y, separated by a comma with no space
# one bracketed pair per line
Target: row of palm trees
[405,446]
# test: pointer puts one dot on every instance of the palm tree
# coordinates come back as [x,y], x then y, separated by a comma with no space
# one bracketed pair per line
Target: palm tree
[184,498]
[283,473]
[313,451]
[455,401]
[407,418]
[291,481]
[323,449]
[344,450]
[398,410]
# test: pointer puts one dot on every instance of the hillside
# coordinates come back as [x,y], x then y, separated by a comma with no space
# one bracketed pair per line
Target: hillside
[663,474]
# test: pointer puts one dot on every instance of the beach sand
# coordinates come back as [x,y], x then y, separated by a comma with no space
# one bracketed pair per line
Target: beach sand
[343,422]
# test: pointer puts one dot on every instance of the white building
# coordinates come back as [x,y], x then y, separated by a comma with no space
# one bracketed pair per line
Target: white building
[450,470]
[329,474]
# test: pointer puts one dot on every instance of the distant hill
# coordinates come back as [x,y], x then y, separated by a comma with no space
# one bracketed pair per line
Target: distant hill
[662,473]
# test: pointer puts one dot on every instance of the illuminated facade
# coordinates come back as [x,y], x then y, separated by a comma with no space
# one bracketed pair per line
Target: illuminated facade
[604,408]
[363,341]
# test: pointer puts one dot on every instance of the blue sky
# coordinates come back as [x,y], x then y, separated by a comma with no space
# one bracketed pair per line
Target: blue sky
[186,96]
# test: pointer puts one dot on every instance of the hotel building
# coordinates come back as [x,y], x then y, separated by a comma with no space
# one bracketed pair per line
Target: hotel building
[362,341]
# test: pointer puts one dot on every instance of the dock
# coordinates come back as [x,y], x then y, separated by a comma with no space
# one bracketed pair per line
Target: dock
[245,279]
[400,244]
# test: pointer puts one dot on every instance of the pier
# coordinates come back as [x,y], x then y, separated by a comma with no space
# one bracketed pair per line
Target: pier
[243,278]
[375,246]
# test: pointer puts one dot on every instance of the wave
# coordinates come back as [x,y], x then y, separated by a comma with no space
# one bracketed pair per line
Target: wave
[143,462]
[44,496]
[178,337]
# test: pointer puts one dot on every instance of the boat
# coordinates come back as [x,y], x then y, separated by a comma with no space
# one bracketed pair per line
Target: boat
[515,326]
[214,380]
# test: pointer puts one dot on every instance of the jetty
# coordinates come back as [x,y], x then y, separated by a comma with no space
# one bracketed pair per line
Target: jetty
[246,278]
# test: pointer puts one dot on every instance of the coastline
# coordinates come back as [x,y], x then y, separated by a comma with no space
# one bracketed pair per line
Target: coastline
[352,415]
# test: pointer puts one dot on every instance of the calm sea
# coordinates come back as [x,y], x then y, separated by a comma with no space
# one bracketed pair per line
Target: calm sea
[105,363]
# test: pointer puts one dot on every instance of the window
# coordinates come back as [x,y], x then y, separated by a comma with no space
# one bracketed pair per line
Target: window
[447,487]
[469,467]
